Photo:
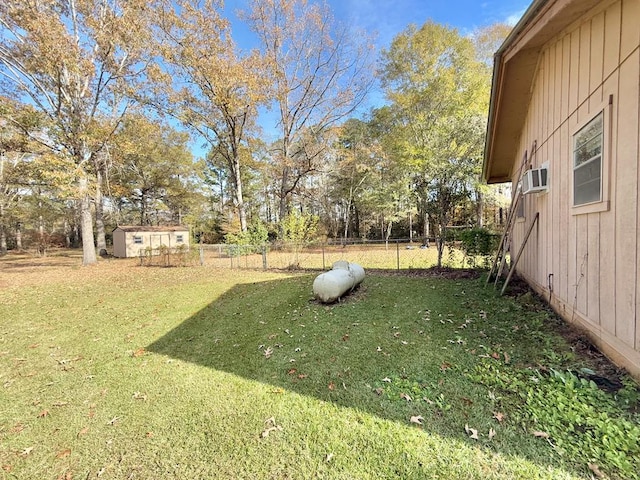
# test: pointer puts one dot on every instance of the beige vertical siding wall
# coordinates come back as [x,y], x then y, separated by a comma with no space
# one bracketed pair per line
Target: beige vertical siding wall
[594,258]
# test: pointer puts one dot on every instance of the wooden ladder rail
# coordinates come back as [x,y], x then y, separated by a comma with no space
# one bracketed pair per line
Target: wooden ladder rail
[502,246]
[515,199]
[515,262]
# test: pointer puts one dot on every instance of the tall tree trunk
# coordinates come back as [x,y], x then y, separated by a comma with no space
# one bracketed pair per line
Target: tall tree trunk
[143,207]
[388,234]
[425,229]
[41,241]
[440,242]
[3,233]
[101,238]
[86,223]
[347,217]
[239,198]
[67,234]
[410,227]
[479,209]
[283,194]
[19,236]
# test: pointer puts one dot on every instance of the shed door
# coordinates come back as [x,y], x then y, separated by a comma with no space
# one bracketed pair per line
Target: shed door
[158,239]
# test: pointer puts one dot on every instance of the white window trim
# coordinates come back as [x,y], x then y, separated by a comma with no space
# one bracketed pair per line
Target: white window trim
[603,204]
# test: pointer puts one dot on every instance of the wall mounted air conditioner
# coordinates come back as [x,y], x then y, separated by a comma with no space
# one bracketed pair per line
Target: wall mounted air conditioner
[535,180]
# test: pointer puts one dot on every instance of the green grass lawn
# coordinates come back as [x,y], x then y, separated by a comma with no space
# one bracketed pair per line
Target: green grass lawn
[119,371]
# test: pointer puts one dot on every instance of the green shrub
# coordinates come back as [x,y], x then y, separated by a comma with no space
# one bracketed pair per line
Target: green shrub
[478,242]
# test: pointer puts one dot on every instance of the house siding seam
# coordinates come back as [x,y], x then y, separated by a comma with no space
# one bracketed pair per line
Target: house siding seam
[592,253]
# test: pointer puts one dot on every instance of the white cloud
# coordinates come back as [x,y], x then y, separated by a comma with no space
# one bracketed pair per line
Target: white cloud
[514,17]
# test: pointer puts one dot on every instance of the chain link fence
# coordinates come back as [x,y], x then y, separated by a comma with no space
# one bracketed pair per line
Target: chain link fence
[392,255]
[397,254]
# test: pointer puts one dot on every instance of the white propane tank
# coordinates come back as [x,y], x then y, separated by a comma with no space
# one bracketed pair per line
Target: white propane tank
[344,277]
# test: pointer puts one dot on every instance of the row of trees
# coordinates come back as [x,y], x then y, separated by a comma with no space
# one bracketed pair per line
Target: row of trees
[99,100]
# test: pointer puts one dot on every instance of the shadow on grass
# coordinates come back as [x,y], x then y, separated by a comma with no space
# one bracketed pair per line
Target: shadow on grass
[399,329]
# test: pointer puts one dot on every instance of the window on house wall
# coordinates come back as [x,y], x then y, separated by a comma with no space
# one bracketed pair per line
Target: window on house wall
[587,162]
[179,238]
[137,240]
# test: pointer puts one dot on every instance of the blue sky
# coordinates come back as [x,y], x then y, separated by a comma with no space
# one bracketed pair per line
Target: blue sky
[387,18]
[390,17]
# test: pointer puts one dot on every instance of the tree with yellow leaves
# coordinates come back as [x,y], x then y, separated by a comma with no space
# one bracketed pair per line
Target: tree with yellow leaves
[203,81]
[76,61]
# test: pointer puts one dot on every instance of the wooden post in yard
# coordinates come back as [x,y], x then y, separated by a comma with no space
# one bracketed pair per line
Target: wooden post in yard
[264,258]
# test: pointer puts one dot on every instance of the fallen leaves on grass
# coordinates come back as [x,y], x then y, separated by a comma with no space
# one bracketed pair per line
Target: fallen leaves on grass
[332,386]
[43,414]
[596,471]
[416,419]
[64,453]
[270,426]
[406,397]
[492,433]
[139,352]
[507,358]
[540,434]
[472,432]
[82,432]
[386,379]
[26,451]
[17,428]
[268,352]
[328,457]
[499,416]
[139,396]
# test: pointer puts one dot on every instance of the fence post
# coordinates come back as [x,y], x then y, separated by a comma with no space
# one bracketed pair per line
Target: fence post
[201,255]
[264,258]
[323,266]
[398,253]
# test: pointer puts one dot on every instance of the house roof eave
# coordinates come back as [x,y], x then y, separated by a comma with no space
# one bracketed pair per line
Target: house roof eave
[515,64]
